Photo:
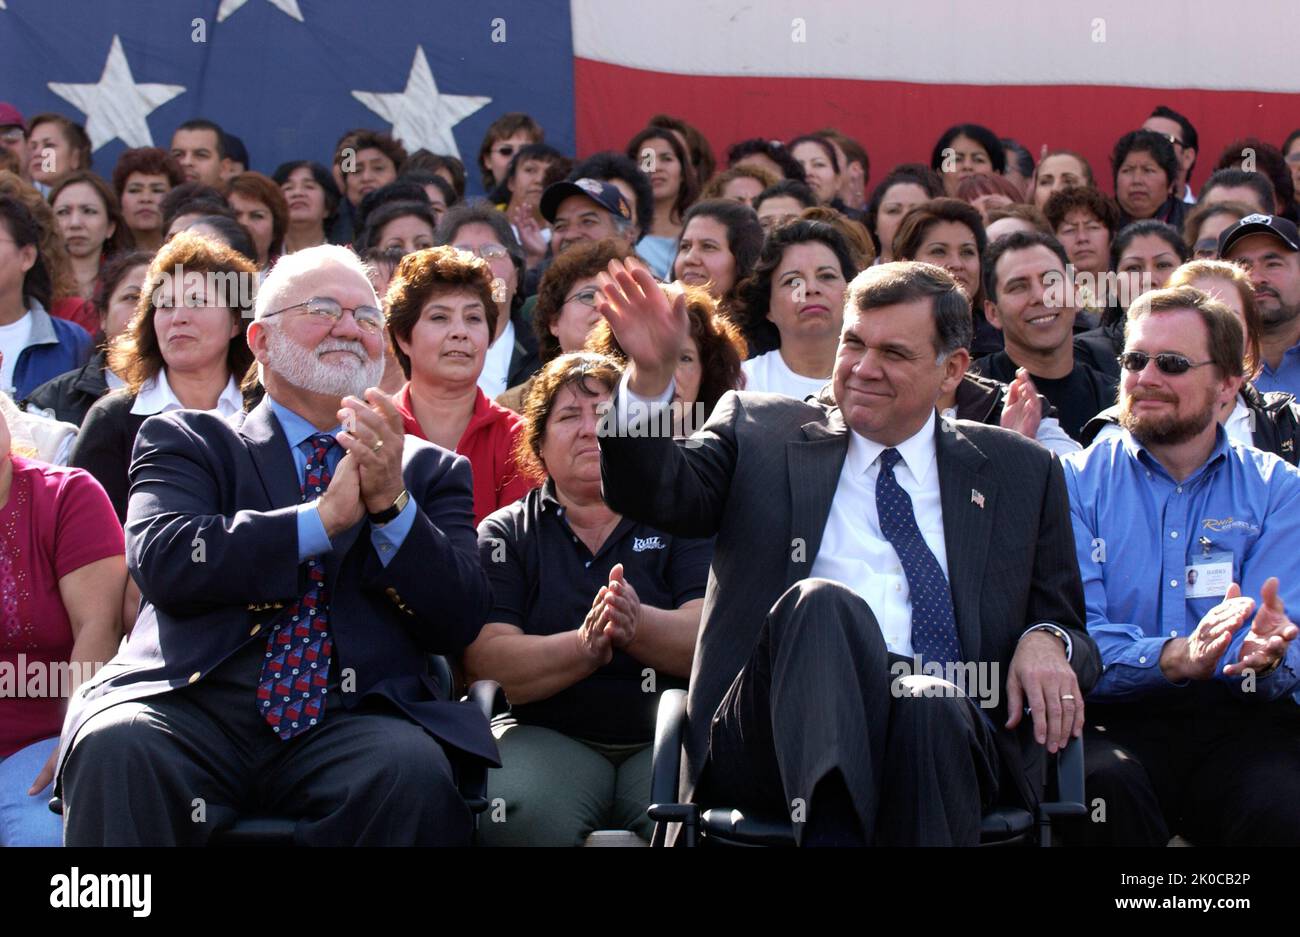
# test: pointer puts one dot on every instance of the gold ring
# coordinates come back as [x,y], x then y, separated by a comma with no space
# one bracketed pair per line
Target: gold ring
[377,446]
[1068,696]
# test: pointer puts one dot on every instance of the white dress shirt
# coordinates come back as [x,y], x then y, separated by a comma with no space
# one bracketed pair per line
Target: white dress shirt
[856,553]
[157,396]
[496,363]
[853,549]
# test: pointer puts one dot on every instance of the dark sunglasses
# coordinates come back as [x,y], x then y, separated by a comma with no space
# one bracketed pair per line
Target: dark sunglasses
[1167,362]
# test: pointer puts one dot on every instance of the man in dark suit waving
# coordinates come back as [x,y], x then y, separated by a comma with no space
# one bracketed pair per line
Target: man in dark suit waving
[889,591]
[297,566]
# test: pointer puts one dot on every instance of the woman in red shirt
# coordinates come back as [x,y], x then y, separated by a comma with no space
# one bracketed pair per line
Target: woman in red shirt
[62,575]
[441,316]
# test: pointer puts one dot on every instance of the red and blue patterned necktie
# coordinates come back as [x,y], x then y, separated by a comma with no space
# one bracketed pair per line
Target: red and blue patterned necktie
[295,673]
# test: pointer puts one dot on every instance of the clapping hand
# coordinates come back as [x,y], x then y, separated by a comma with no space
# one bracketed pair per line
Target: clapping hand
[1270,635]
[1023,409]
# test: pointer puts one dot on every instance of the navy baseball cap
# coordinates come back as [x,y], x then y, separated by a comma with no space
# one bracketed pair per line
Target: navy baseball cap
[604,194]
[1280,228]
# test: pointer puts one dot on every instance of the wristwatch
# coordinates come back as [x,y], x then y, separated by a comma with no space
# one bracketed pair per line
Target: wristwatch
[386,515]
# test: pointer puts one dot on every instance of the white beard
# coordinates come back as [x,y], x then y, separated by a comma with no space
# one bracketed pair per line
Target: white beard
[304,369]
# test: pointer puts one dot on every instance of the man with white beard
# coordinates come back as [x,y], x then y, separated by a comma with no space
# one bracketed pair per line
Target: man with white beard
[297,565]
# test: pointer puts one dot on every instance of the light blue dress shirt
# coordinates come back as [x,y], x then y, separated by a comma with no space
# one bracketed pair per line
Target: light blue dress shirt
[312,539]
[1285,378]
[1136,532]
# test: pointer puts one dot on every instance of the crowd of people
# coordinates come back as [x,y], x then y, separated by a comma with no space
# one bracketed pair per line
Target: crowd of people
[743,424]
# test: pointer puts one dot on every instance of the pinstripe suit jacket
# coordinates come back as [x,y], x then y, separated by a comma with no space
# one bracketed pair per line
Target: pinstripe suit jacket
[761,475]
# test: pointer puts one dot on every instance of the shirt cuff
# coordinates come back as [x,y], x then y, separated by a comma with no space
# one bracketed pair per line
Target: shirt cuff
[1055,630]
[312,539]
[637,409]
[388,539]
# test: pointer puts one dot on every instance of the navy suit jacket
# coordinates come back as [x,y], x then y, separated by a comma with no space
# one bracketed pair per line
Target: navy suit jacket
[212,542]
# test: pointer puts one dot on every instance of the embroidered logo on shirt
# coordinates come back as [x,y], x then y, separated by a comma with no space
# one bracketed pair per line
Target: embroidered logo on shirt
[641,544]
[1229,523]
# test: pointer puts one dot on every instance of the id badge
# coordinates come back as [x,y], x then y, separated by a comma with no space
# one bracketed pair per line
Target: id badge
[1209,576]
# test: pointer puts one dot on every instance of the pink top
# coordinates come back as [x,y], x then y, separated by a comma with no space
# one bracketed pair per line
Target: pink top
[56,520]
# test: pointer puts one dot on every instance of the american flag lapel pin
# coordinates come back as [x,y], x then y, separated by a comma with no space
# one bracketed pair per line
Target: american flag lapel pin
[976,498]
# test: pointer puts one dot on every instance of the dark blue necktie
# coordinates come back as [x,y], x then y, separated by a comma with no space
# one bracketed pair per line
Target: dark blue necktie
[934,624]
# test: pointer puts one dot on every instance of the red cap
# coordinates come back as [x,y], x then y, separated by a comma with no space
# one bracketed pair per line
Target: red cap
[10,116]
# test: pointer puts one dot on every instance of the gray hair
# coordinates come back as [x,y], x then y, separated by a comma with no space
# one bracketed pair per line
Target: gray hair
[906,281]
[291,267]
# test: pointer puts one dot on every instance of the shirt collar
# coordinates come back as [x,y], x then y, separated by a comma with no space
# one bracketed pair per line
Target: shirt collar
[296,429]
[918,451]
[1140,453]
[157,396]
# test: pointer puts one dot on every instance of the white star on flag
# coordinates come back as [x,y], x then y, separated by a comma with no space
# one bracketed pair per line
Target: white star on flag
[116,107]
[420,115]
[229,7]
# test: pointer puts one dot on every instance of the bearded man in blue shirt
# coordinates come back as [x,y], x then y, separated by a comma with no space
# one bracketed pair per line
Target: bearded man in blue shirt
[1188,546]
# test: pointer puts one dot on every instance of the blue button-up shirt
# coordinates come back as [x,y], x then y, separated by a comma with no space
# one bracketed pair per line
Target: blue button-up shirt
[1285,378]
[312,539]
[1136,531]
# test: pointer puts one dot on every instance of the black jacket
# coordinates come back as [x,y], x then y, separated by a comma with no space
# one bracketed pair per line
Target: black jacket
[1100,348]
[1276,418]
[103,447]
[70,395]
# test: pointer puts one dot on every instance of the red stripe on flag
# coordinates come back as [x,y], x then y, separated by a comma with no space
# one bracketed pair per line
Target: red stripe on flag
[899,122]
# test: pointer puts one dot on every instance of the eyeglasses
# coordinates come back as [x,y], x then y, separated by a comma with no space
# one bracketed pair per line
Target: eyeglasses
[505,149]
[1172,139]
[585,296]
[486,251]
[1167,362]
[322,309]
[12,135]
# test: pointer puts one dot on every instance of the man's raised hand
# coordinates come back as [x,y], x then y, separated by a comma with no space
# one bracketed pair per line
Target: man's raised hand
[650,327]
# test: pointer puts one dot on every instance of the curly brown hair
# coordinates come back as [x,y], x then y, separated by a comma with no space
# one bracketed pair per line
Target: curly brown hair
[1080,198]
[721,346]
[424,274]
[53,254]
[135,355]
[577,368]
[148,161]
[716,187]
[254,185]
[576,263]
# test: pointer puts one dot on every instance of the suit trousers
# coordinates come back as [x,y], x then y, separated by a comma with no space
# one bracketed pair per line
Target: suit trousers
[1197,763]
[172,769]
[817,702]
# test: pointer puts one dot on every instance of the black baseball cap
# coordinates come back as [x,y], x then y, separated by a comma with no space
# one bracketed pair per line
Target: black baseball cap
[1282,229]
[604,194]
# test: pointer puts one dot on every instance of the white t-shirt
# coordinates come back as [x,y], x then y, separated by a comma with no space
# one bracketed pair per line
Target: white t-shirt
[769,373]
[13,339]
[496,363]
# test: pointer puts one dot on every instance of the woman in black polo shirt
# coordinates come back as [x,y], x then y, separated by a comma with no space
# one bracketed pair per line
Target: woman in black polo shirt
[593,615]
